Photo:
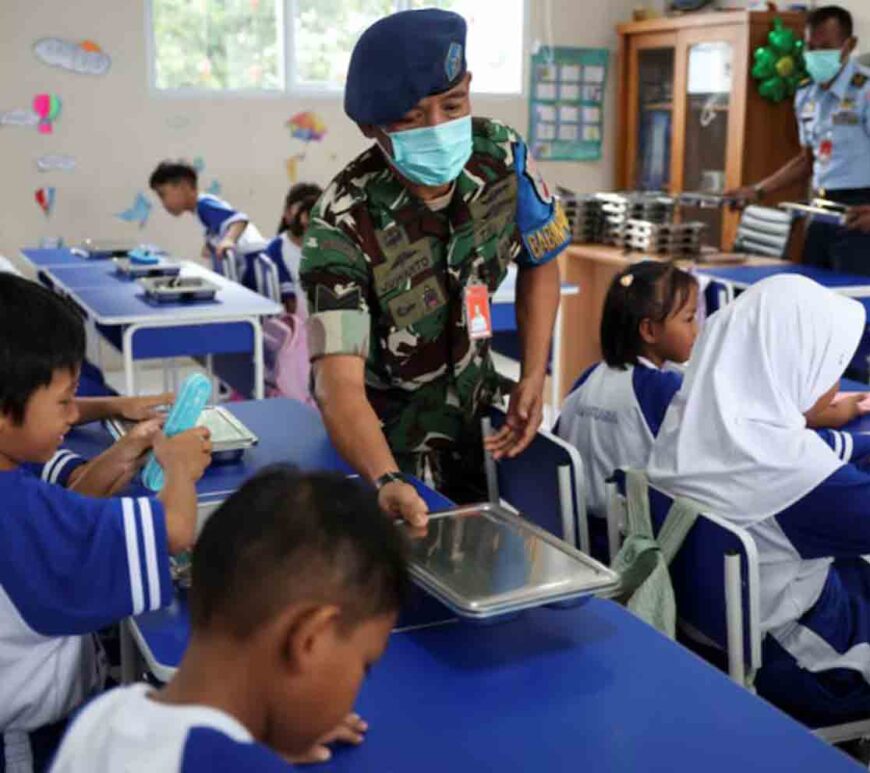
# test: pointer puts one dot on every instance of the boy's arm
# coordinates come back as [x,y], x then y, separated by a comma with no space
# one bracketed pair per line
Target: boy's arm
[113,470]
[130,408]
[841,412]
[233,234]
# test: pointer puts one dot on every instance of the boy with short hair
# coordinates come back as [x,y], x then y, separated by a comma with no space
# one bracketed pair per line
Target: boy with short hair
[297,580]
[176,185]
[69,564]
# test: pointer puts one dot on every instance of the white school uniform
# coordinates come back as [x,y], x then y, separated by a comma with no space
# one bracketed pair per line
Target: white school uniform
[735,441]
[127,730]
[612,416]
[71,565]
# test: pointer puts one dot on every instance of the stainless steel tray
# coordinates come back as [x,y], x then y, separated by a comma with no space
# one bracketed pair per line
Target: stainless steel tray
[134,270]
[105,248]
[230,438]
[819,209]
[483,561]
[179,288]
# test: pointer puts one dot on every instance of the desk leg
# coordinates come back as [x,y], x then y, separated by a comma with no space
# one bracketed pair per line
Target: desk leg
[129,654]
[556,365]
[129,367]
[259,368]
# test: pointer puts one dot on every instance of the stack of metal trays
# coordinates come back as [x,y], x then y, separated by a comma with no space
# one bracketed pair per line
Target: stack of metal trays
[129,268]
[619,208]
[162,289]
[485,562]
[585,215]
[675,239]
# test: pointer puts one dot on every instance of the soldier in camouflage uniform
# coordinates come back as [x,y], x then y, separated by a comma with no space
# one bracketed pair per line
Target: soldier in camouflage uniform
[392,247]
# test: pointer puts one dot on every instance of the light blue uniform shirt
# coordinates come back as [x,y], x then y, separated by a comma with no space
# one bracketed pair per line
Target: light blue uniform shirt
[835,123]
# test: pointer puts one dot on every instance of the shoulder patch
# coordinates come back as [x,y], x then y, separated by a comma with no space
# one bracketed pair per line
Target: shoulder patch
[804,82]
[859,79]
[327,300]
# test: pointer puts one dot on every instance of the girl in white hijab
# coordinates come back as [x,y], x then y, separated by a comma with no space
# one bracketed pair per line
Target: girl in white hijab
[735,440]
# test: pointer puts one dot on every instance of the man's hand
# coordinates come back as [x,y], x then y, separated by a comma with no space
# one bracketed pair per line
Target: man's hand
[401,500]
[858,218]
[351,730]
[742,197]
[141,408]
[524,416]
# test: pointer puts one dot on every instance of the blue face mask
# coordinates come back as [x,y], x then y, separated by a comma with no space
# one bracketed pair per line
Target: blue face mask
[432,155]
[823,66]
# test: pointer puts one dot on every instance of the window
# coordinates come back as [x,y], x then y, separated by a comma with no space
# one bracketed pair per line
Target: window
[245,45]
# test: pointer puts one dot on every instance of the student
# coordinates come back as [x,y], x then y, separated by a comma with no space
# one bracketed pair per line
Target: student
[286,248]
[616,407]
[69,565]
[735,440]
[175,183]
[284,627]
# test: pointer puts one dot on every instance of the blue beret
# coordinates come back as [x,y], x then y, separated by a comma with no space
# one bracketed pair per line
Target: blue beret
[400,59]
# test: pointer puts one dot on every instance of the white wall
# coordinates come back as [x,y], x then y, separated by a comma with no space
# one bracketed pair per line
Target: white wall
[117,130]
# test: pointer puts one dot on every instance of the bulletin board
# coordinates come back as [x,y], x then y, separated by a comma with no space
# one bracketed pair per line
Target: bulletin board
[566,103]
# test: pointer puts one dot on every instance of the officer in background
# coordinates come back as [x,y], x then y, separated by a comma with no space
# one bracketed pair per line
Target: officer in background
[833,113]
[400,261]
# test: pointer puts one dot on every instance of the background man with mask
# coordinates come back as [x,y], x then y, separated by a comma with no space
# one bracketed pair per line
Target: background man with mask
[405,248]
[833,113]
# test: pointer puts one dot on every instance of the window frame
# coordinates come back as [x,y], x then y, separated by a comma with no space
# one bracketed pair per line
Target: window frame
[287,64]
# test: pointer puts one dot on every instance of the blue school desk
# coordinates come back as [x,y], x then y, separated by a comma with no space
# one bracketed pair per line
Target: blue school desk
[140,329]
[741,277]
[548,690]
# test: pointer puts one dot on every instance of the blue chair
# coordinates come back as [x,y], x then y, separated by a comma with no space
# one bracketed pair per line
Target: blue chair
[266,277]
[720,610]
[546,483]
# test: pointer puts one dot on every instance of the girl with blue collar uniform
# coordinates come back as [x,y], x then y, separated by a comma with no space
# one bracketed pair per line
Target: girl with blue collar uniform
[736,441]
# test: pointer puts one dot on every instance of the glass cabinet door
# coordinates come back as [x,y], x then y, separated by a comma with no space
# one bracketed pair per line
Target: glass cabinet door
[655,79]
[708,101]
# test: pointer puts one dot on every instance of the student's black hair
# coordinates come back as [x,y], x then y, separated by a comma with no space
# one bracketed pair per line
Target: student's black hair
[647,290]
[306,194]
[820,15]
[172,172]
[40,333]
[287,537]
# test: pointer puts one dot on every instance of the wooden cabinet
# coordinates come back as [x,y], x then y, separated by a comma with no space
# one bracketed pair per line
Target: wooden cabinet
[690,116]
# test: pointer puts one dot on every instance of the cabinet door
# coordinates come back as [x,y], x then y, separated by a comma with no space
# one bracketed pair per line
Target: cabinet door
[705,118]
[650,102]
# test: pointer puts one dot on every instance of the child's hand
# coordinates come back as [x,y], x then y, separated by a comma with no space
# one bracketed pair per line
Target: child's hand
[142,408]
[223,246]
[139,439]
[186,454]
[859,404]
[351,730]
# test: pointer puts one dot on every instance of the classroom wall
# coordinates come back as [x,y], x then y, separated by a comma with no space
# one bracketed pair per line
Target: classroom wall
[117,129]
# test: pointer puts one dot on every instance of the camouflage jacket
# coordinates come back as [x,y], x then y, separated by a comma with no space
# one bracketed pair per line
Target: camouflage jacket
[384,276]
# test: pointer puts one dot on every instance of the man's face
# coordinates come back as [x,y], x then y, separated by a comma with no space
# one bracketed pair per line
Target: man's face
[429,111]
[829,36]
[48,415]
[176,196]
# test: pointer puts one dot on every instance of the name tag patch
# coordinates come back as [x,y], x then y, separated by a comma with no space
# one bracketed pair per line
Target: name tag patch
[419,302]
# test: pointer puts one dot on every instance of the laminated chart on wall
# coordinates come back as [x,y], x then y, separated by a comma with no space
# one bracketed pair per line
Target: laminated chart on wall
[566,103]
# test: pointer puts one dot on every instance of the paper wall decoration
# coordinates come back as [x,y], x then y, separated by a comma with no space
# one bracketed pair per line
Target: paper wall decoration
[19,116]
[198,164]
[139,212]
[47,107]
[55,161]
[45,198]
[566,103]
[214,188]
[85,58]
[307,126]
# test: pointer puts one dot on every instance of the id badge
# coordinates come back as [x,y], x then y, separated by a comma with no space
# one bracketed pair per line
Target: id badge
[478,316]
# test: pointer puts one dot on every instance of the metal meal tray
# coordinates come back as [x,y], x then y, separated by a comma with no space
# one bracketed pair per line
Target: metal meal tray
[230,437]
[99,248]
[180,288]
[819,209]
[483,561]
[130,268]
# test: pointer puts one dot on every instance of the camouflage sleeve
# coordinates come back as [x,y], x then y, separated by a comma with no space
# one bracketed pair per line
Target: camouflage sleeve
[540,217]
[335,276]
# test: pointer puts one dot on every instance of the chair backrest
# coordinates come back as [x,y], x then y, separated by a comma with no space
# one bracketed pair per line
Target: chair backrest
[698,577]
[764,231]
[226,265]
[266,277]
[546,483]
